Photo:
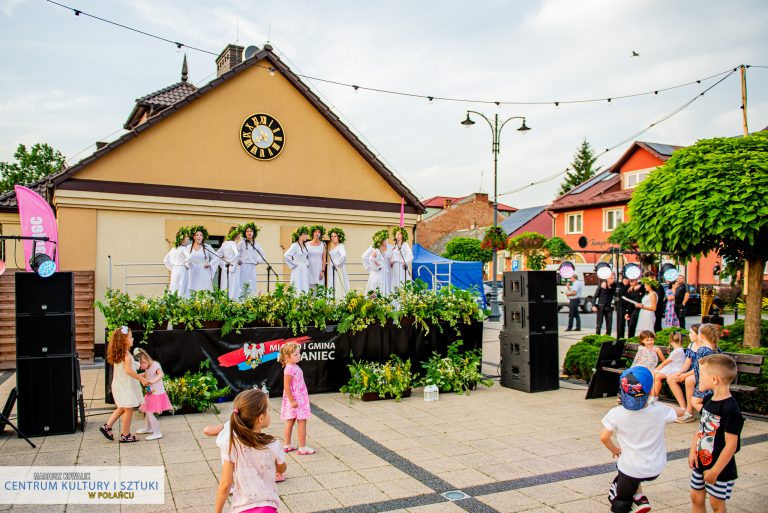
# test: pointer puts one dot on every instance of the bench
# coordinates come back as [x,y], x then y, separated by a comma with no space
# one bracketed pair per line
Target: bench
[610,365]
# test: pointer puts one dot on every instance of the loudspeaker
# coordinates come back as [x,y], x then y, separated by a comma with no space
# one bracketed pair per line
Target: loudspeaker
[45,335]
[530,362]
[522,317]
[530,286]
[36,295]
[47,395]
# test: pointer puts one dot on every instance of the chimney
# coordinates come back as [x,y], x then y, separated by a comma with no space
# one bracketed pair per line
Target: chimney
[228,59]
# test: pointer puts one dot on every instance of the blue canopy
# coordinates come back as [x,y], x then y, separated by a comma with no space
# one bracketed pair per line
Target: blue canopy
[433,269]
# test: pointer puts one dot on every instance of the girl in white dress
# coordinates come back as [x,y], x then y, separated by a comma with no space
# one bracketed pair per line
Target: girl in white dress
[338,279]
[378,264]
[201,261]
[402,256]
[251,255]
[316,255]
[297,261]
[230,270]
[672,365]
[647,318]
[176,261]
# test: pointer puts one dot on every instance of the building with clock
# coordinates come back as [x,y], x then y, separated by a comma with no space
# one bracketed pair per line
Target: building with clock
[254,144]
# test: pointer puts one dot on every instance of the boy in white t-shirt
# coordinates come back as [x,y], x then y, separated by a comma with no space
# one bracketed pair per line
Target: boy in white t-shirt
[639,428]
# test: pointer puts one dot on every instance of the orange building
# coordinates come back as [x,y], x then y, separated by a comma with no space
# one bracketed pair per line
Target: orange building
[585,216]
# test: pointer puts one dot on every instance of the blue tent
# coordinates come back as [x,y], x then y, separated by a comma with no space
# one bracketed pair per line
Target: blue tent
[437,271]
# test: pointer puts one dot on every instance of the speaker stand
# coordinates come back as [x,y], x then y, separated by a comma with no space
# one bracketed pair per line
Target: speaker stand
[7,411]
[80,395]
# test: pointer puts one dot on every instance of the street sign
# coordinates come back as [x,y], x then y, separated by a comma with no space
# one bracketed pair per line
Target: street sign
[515,265]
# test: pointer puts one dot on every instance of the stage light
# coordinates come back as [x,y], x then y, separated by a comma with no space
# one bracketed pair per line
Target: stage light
[632,271]
[566,269]
[669,272]
[43,265]
[603,270]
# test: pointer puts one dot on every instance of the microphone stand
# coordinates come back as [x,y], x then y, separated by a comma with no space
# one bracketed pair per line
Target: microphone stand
[227,262]
[405,266]
[333,278]
[269,266]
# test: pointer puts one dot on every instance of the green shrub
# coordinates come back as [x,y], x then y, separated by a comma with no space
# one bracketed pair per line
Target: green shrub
[580,359]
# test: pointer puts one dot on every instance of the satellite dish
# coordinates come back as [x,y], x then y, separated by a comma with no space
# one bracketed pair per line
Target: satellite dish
[582,242]
[251,51]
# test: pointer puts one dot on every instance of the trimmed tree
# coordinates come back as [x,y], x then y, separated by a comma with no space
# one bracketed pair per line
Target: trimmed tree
[41,160]
[467,250]
[710,197]
[535,247]
[582,168]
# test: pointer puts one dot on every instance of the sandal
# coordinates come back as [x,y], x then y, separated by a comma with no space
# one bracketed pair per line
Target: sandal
[306,450]
[128,439]
[289,448]
[279,478]
[107,432]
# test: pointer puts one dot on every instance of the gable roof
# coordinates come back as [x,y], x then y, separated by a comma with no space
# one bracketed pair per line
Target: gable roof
[439,202]
[518,219]
[8,200]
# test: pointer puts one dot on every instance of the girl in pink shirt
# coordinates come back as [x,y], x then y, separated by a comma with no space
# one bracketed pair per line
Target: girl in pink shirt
[295,408]
[252,459]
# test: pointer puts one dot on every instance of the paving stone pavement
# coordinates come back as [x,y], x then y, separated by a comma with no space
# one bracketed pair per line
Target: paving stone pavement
[507,450]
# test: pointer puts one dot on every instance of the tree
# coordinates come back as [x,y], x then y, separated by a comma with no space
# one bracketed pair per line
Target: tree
[467,250]
[557,248]
[710,197]
[582,168]
[536,248]
[622,237]
[30,166]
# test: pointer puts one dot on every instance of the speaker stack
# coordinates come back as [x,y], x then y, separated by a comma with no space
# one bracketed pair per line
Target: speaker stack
[47,368]
[529,341]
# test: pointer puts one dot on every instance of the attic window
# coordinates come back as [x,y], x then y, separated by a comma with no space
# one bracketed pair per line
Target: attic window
[631,180]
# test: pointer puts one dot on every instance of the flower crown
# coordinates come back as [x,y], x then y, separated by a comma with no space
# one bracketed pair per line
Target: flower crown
[379,237]
[299,231]
[650,281]
[252,226]
[180,234]
[338,231]
[401,230]
[234,232]
[199,228]
[316,227]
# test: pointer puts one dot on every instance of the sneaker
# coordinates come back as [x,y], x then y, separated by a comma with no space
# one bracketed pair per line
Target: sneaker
[687,417]
[306,450]
[640,505]
[143,431]
[154,436]
[652,399]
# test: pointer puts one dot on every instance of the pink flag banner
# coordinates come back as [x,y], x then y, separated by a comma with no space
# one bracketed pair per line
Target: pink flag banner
[402,212]
[37,220]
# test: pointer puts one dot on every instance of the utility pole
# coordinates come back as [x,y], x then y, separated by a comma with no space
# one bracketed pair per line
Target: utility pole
[744,98]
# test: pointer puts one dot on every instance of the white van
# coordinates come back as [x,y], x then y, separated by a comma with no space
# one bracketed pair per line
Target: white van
[586,274]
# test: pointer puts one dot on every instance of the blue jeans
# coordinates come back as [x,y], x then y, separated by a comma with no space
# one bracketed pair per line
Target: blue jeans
[573,313]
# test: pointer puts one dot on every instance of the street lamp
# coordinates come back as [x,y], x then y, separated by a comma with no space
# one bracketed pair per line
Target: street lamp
[496,129]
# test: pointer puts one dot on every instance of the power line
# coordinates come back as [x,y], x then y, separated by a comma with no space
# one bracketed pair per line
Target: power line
[431,98]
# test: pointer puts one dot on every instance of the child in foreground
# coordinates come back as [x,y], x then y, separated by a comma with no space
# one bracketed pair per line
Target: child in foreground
[155,400]
[712,461]
[639,427]
[295,408]
[252,458]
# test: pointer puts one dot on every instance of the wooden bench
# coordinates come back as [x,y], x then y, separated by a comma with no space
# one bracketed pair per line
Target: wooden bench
[610,364]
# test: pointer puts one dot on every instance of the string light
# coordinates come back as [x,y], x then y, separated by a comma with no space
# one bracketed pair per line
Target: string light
[402,93]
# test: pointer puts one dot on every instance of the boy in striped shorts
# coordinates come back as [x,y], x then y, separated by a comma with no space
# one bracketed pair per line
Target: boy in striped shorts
[718,438]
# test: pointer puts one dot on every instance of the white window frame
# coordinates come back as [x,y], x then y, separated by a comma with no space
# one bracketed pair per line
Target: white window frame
[606,211]
[635,175]
[568,222]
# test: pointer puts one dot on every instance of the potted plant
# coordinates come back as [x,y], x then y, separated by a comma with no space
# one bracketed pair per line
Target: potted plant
[371,381]
[455,372]
[494,239]
[195,392]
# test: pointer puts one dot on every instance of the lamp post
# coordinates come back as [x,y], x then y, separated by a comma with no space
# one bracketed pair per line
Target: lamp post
[496,130]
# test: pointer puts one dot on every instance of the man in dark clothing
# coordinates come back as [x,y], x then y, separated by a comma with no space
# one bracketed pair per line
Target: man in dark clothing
[631,312]
[621,305]
[681,298]
[603,295]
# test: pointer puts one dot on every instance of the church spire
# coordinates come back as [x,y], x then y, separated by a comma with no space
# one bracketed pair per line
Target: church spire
[184,70]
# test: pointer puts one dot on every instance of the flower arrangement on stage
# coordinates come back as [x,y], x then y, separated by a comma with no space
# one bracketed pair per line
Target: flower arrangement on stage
[413,302]
[455,372]
[401,230]
[392,379]
[338,231]
[495,239]
[195,390]
[379,237]
[299,231]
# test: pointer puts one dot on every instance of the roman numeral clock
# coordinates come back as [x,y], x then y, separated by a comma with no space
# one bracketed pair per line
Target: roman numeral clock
[262,136]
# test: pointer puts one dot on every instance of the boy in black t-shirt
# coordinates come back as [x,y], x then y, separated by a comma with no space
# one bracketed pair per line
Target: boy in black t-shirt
[718,438]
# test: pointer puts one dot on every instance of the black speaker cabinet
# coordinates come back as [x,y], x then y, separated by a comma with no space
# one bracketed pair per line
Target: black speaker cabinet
[45,335]
[36,295]
[47,395]
[523,317]
[530,362]
[530,286]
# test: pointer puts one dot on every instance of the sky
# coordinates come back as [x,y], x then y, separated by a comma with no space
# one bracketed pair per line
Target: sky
[70,81]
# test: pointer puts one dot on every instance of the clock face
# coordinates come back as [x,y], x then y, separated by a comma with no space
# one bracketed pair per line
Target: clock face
[262,136]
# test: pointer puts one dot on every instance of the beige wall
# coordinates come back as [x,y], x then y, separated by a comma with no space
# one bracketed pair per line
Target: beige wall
[10,225]
[77,239]
[199,146]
